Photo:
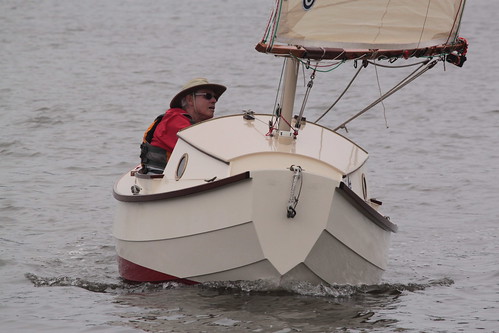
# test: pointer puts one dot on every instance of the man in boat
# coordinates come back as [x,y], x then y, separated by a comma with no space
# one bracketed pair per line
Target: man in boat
[194,103]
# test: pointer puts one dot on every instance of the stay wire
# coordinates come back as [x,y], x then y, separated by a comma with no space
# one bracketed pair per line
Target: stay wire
[380,94]
[341,95]
[411,77]
[310,84]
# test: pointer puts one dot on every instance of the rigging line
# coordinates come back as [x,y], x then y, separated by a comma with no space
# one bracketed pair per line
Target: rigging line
[424,23]
[318,65]
[414,75]
[341,95]
[270,33]
[277,92]
[276,22]
[361,57]
[458,18]
[380,27]
[303,72]
[398,66]
[267,29]
[289,124]
[305,98]
[261,121]
[380,94]
[336,65]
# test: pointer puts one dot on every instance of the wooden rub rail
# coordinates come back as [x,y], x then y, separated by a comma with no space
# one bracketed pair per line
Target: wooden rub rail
[182,192]
[366,209]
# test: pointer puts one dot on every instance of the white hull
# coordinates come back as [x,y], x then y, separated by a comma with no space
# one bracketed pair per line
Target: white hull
[236,227]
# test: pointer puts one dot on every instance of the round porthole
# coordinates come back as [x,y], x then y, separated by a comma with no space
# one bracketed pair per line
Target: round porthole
[364,186]
[182,165]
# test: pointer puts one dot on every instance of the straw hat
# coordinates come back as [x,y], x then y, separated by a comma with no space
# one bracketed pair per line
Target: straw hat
[194,85]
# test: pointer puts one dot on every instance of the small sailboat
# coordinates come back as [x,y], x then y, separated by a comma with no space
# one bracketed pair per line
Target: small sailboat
[274,196]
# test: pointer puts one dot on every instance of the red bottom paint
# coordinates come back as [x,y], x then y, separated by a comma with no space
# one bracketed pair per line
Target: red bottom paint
[136,273]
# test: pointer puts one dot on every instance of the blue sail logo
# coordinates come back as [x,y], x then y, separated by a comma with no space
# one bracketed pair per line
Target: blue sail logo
[307,4]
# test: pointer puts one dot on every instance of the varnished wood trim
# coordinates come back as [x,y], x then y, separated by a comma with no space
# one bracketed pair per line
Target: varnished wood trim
[320,53]
[183,192]
[367,210]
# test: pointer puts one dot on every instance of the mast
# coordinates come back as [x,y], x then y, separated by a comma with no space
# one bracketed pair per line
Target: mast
[364,30]
[288,96]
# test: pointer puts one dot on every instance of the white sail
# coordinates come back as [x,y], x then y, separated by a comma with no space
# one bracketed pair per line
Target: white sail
[368,24]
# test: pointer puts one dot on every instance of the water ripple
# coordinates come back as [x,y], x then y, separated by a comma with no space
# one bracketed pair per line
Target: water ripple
[247,287]
[66,281]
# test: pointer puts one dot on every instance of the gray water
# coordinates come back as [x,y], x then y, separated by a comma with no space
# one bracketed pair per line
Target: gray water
[81,80]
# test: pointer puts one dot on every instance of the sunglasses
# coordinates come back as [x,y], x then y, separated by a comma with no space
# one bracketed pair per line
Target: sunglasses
[207,96]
